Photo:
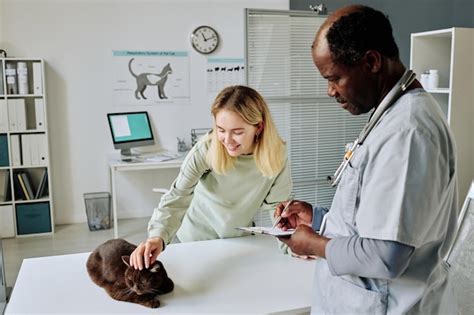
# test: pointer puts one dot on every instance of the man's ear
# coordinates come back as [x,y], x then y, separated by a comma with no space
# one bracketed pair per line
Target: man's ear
[373,60]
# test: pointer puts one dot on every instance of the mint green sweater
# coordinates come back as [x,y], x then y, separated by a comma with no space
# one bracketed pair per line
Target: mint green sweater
[203,205]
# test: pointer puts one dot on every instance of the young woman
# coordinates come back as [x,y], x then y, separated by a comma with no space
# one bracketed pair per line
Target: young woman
[237,169]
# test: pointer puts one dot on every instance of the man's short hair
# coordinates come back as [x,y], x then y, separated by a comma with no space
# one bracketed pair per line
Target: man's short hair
[352,35]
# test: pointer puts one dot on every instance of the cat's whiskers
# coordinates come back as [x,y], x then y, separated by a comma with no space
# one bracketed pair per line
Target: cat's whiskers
[129,291]
[155,291]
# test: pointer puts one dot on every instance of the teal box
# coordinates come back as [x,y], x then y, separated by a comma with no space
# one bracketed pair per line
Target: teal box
[4,160]
[33,218]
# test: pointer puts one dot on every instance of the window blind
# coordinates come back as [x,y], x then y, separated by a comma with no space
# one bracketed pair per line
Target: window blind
[315,128]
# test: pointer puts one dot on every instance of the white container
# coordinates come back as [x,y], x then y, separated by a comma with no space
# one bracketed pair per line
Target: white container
[10,74]
[22,71]
[433,79]
[424,78]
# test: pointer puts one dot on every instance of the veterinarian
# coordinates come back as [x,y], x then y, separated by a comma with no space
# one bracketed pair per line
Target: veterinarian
[239,168]
[394,213]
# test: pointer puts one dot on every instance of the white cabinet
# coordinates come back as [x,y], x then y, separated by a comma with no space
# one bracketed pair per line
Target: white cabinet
[26,206]
[451,52]
[7,223]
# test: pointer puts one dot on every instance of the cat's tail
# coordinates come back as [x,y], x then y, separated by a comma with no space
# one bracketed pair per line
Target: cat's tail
[130,67]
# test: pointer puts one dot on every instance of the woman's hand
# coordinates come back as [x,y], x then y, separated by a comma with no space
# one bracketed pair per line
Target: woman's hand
[146,253]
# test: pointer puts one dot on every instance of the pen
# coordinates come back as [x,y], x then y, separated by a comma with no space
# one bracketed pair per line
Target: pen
[284,209]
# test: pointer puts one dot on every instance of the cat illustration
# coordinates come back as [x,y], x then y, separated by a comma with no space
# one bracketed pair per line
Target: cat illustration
[145,79]
[109,267]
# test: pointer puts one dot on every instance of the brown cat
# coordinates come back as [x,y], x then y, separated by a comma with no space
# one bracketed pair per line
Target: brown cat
[109,267]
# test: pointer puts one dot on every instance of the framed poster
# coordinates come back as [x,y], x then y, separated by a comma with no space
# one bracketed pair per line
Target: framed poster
[222,72]
[150,77]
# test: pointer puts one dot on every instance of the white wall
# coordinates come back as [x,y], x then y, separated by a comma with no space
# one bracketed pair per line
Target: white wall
[1,24]
[76,39]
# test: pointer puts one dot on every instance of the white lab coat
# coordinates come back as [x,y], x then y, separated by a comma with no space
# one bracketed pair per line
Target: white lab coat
[400,186]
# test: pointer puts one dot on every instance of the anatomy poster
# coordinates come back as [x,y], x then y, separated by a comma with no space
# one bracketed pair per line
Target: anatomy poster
[222,72]
[150,77]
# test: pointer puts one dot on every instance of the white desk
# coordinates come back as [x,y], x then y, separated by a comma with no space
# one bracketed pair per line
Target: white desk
[238,275]
[119,166]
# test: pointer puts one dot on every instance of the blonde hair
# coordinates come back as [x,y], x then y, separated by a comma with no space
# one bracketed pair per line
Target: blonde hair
[269,150]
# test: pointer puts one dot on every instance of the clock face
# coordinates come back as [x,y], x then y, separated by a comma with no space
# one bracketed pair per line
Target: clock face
[205,39]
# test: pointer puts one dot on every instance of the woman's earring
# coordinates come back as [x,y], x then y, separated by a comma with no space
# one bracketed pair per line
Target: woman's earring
[259,131]
[257,136]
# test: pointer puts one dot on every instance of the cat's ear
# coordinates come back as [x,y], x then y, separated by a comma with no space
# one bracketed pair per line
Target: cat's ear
[126,260]
[155,268]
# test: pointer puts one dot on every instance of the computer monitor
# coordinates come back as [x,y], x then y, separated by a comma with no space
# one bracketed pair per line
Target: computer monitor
[129,130]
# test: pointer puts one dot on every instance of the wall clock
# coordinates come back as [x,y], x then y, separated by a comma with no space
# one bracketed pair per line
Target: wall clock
[205,39]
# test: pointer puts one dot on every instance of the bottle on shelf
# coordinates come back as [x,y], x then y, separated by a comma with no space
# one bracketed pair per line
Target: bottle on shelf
[424,78]
[433,79]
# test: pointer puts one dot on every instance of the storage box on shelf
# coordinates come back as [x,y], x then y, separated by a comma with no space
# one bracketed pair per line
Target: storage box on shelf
[450,52]
[26,206]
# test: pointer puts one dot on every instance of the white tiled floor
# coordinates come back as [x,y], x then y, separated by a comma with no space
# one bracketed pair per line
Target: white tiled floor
[67,239]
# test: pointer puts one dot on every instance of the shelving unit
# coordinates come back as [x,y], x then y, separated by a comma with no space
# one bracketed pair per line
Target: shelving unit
[26,206]
[451,52]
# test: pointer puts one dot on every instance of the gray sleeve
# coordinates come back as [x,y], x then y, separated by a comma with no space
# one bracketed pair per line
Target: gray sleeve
[367,257]
[318,214]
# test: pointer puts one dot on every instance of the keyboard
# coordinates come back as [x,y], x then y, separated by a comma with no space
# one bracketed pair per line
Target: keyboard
[159,156]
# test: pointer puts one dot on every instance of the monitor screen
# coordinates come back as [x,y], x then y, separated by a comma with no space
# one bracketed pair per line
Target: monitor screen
[130,130]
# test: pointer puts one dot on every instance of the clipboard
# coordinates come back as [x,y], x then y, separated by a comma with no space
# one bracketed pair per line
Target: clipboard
[267,231]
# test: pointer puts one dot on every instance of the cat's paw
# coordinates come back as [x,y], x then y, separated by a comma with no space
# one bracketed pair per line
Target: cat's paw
[154,303]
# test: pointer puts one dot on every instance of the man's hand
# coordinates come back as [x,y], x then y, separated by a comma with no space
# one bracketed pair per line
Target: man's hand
[304,241]
[145,254]
[298,213]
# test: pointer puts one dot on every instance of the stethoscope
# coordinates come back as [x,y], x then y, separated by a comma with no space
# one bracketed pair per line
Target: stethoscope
[405,81]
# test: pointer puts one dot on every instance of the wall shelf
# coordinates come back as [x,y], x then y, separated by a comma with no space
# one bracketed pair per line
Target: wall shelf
[25,186]
[450,51]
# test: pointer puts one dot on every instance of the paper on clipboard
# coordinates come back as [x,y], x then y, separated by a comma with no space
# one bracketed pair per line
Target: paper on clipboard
[267,230]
